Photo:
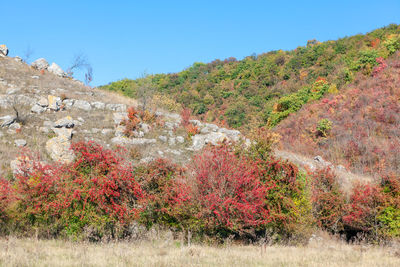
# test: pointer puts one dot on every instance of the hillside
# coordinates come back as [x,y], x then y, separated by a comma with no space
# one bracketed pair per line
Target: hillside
[264,89]
[44,113]
[357,127]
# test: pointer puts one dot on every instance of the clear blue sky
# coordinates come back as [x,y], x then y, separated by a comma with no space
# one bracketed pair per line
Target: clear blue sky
[125,38]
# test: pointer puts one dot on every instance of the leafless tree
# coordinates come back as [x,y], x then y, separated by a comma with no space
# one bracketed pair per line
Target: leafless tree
[80,62]
[27,54]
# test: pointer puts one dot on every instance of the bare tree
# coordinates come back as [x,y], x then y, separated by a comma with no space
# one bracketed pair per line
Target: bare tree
[80,62]
[27,54]
[145,91]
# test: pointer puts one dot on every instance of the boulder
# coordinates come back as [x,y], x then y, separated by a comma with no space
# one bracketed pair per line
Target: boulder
[180,139]
[40,64]
[54,102]
[66,122]
[16,165]
[43,102]
[7,120]
[119,140]
[66,132]
[3,50]
[68,102]
[163,138]
[38,109]
[82,104]
[18,59]
[59,149]
[57,70]
[118,117]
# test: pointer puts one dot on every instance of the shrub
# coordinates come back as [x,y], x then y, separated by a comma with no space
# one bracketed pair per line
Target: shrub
[132,122]
[327,199]
[165,192]
[263,143]
[185,117]
[324,127]
[96,191]
[228,193]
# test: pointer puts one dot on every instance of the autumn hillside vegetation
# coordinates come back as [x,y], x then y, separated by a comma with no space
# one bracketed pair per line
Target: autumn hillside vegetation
[262,90]
[357,127]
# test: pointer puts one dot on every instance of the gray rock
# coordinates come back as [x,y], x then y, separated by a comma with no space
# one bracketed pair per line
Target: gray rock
[146,160]
[43,101]
[44,129]
[180,139]
[57,70]
[173,151]
[116,107]
[82,104]
[98,105]
[3,50]
[40,64]
[68,102]
[200,140]
[18,59]
[66,122]
[196,123]
[38,109]
[163,138]
[7,120]
[54,102]
[232,134]
[35,77]
[66,132]
[20,142]
[59,149]
[95,130]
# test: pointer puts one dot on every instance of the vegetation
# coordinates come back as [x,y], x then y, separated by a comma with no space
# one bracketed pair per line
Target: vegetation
[225,192]
[262,90]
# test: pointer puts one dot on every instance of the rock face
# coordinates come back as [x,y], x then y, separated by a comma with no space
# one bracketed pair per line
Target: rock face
[54,102]
[40,64]
[59,149]
[3,50]
[20,142]
[200,140]
[82,104]
[54,68]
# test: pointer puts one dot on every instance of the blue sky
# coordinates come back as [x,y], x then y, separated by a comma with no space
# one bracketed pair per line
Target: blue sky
[125,38]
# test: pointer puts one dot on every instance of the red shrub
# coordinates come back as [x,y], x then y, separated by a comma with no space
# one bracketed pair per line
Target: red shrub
[228,191]
[6,195]
[363,206]
[327,199]
[165,192]
[132,122]
[185,116]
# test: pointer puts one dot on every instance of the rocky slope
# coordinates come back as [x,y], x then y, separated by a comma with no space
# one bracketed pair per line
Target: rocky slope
[44,110]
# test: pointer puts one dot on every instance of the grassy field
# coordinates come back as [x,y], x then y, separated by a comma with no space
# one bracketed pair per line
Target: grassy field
[32,252]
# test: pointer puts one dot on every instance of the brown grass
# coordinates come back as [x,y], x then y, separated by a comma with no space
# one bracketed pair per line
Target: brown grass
[32,252]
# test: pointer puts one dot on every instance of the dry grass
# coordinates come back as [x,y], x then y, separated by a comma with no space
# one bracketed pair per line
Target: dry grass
[31,252]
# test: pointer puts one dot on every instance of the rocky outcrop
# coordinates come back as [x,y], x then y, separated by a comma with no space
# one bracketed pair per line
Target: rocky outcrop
[40,64]
[3,50]
[59,150]
[57,70]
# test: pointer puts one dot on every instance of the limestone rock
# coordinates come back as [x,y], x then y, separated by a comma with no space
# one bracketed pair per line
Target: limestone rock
[180,139]
[40,64]
[68,102]
[7,120]
[57,70]
[38,109]
[82,104]
[163,138]
[54,102]
[66,132]
[3,50]
[43,102]
[118,117]
[59,149]
[66,122]
[18,59]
